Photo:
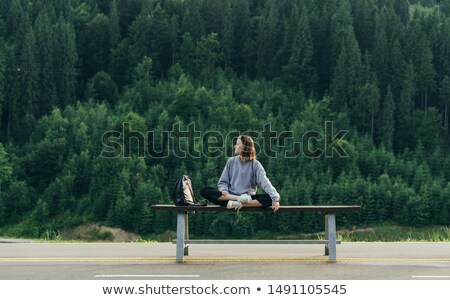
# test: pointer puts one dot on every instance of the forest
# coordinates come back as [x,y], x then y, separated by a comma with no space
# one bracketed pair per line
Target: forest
[105,103]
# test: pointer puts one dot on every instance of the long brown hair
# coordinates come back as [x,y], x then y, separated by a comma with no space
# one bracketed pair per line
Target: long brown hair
[248,151]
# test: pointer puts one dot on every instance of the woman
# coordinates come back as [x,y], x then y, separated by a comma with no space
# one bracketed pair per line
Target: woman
[239,180]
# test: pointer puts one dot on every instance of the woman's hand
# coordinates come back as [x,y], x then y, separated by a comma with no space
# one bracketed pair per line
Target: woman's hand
[225,193]
[275,206]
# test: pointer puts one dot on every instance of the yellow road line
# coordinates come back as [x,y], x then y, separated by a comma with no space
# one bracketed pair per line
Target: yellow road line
[216,259]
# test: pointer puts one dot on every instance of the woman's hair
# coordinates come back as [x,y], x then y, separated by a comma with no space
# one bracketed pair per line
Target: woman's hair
[248,150]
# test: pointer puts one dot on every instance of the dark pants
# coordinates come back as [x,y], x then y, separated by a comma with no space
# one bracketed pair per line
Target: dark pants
[213,195]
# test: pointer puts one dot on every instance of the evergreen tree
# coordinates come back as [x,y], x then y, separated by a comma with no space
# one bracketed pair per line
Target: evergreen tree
[94,46]
[45,90]
[28,80]
[208,56]
[66,59]
[444,96]
[114,26]
[267,40]
[366,109]
[101,87]
[381,55]
[341,28]
[397,69]
[5,168]
[405,109]
[13,20]
[425,75]
[387,120]
[346,77]
[299,72]
[401,7]
[2,82]
[441,48]
[227,36]
[364,14]
[242,30]
[193,21]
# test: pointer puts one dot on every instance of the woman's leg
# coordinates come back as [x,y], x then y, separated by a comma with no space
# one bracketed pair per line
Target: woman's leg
[259,200]
[215,196]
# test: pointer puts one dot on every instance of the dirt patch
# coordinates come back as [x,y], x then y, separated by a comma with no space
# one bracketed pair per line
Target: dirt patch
[95,233]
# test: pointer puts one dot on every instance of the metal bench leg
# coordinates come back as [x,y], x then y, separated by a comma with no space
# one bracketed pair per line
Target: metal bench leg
[186,234]
[331,236]
[327,250]
[181,217]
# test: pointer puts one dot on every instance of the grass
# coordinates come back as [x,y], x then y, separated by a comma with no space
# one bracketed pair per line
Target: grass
[395,233]
[379,233]
[382,233]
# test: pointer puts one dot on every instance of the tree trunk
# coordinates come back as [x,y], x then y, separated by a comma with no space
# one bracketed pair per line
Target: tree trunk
[8,130]
[372,125]
[426,101]
[446,119]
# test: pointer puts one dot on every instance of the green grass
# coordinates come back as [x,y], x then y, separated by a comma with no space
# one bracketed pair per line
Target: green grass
[378,233]
[394,233]
[382,233]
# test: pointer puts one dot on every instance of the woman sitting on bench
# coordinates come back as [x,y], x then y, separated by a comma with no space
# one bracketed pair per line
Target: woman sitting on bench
[239,180]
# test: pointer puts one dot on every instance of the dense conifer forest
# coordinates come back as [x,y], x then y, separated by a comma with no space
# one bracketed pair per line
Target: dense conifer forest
[105,103]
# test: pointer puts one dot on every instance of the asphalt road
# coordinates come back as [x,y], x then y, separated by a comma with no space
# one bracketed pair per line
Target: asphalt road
[155,261]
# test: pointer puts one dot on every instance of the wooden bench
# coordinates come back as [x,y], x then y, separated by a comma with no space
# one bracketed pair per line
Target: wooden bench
[183,225]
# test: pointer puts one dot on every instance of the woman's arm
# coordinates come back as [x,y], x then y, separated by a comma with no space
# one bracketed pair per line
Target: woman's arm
[264,182]
[224,180]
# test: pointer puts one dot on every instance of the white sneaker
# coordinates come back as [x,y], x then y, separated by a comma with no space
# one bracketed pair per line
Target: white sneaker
[244,198]
[234,204]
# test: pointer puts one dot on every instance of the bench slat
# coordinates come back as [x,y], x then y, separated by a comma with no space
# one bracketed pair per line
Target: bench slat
[320,242]
[292,208]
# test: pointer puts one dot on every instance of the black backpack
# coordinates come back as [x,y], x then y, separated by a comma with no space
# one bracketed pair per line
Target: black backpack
[183,195]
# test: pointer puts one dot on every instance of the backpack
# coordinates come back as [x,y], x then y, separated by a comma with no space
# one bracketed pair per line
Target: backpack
[183,195]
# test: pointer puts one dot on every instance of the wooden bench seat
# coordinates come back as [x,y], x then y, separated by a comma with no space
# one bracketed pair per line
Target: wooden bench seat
[183,225]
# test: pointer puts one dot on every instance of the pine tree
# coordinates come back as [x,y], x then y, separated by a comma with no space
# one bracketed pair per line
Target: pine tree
[366,109]
[364,14]
[397,69]
[444,96]
[28,80]
[405,109]
[12,91]
[267,40]
[401,7]
[441,48]
[301,53]
[193,22]
[425,75]
[242,30]
[381,55]
[14,19]
[387,120]
[346,75]
[5,168]
[227,40]
[341,29]
[40,215]
[2,82]
[289,28]
[208,56]
[94,46]
[45,90]
[114,20]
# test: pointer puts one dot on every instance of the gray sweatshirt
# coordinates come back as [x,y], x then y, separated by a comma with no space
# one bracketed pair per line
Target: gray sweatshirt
[242,177]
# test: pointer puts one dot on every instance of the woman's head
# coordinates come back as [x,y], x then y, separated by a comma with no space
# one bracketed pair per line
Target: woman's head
[245,147]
